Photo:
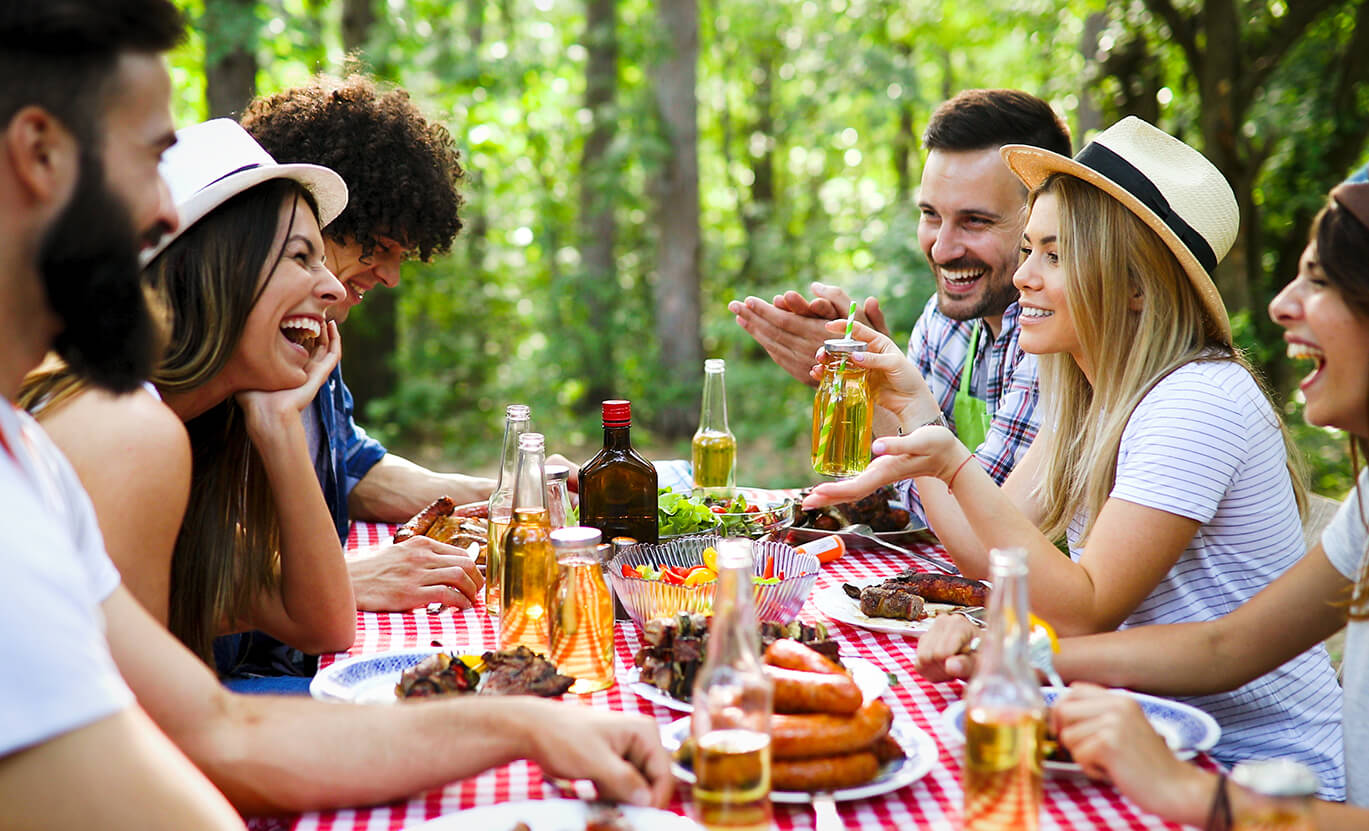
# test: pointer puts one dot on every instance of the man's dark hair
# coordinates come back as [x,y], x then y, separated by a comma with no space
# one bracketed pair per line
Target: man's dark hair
[981,119]
[402,171]
[61,54]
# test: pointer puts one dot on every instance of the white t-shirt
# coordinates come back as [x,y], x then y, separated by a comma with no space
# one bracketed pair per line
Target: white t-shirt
[56,673]
[1205,444]
[1344,543]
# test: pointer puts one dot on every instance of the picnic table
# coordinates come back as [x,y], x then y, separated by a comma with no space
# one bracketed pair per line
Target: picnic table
[933,802]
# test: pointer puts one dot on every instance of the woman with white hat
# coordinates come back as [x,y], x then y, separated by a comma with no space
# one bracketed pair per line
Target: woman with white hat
[1325,314]
[1160,461]
[207,498]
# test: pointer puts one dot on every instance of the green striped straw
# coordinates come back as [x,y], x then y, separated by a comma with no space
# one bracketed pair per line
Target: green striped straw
[832,402]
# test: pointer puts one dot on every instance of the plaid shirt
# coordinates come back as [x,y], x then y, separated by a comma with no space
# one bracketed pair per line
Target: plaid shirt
[1004,377]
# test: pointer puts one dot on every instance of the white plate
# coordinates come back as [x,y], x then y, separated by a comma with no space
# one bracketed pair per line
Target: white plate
[837,605]
[921,757]
[872,681]
[1187,730]
[552,815]
[367,679]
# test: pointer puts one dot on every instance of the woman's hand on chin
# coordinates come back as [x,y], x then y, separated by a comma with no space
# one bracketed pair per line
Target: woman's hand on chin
[927,451]
[263,407]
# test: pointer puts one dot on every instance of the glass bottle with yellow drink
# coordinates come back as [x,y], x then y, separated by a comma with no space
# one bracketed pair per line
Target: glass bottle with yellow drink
[1005,716]
[842,426]
[529,566]
[714,449]
[517,421]
[733,700]
[582,610]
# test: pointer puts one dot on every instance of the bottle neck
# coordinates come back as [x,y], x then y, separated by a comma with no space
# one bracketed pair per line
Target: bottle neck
[733,635]
[1004,650]
[617,437]
[513,428]
[530,481]
[713,411]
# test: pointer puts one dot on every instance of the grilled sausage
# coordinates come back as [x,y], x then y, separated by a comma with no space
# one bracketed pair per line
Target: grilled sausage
[892,602]
[944,588]
[805,736]
[424,519]
[824,773]
[476,510]
[791,654]
[813,692]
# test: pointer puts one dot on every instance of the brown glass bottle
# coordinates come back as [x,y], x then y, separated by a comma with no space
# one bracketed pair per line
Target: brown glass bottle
[618,486]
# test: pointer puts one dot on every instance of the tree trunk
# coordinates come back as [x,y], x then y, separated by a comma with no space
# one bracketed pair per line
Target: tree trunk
[677,286]
[371,333]
[759,212]
[358,16]
[1089,117]
[230,61]
[597,283]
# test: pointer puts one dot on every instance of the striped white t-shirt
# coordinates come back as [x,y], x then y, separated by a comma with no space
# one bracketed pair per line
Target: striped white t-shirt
[1205,444]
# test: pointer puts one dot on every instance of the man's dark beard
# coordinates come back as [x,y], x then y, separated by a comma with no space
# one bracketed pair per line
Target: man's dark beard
[992,302]
[89,263]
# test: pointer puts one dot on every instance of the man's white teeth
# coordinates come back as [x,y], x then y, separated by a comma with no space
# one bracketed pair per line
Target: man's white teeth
[1305,351]
[961,278]
[1032,311]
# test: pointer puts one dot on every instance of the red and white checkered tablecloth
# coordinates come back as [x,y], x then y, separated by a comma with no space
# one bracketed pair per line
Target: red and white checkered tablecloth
[934,802]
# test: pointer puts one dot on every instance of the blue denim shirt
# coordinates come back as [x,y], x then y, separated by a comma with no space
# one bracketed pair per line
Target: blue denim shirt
[351,453]
[1359,176]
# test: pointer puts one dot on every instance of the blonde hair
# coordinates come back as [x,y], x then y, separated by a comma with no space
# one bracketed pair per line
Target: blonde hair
[1109,255]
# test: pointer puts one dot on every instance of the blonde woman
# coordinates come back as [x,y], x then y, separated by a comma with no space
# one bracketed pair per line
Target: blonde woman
[204,484]
[1325,312]
[1161,461]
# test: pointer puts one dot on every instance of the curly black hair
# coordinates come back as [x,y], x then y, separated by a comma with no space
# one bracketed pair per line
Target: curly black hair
[402,171]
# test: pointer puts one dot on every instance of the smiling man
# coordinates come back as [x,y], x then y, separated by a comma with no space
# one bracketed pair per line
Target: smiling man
[965,342]
[402,173]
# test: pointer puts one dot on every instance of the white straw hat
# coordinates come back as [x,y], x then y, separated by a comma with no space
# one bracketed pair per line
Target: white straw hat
[212,162]
[1173,188]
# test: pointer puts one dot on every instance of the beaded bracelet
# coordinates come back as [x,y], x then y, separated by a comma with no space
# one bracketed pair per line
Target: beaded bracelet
[951,481]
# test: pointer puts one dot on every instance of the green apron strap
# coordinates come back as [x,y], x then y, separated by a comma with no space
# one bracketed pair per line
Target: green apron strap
[971,414]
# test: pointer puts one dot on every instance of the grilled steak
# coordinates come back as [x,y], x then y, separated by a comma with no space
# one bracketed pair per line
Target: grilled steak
[522,672]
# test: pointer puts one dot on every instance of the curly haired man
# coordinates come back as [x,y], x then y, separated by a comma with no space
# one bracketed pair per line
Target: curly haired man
[403,173]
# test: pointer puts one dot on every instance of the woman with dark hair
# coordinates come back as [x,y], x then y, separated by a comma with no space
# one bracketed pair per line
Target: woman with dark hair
[1325,315]
[207,498]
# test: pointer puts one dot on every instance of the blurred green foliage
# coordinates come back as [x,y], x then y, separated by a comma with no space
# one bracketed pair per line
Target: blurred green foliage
[803,107]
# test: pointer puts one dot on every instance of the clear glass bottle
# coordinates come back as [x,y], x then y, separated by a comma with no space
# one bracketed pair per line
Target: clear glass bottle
[582,611]
[618,544]
[733,700]
[618,486]
[714,448]
[559,508]
[1280,796]
[517,421]
[842,425]
[529,566]
[1005,716]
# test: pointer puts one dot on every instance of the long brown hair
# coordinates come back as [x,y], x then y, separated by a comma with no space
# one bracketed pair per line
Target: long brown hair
[1342,251]
[209,279]
[1108,255]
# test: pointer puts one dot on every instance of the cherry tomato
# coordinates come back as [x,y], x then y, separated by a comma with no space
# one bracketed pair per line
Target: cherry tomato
[629,571]
[718,509]
[752,509]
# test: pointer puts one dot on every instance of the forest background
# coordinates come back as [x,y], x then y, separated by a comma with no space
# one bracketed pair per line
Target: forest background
[632,165]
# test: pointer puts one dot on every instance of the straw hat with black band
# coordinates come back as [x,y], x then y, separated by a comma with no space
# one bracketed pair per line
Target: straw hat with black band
[1170,186]
[216,160]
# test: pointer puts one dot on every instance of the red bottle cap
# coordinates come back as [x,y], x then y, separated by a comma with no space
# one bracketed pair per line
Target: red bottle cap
[617,412]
